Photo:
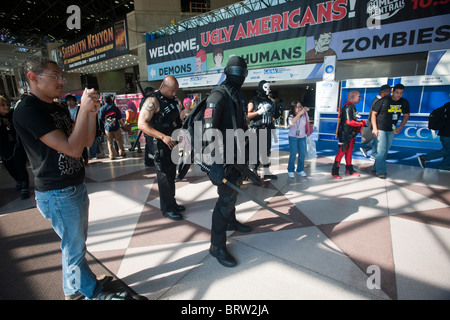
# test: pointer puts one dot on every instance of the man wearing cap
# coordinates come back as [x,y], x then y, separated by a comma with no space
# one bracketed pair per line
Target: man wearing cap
[370,141]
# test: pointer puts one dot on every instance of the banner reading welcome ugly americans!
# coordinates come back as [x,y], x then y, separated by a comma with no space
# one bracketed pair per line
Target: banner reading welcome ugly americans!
[303,32]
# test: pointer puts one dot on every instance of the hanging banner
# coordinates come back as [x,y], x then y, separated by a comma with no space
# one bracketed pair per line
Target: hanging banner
[303,32]
[327,93]
[103,44]
[329,68]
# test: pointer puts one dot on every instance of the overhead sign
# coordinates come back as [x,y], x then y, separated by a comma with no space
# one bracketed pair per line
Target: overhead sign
[105,43]
[303,32]
[426,80]
[365,83]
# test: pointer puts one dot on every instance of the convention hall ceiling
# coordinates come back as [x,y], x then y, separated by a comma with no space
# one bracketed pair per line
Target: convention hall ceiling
[34,23]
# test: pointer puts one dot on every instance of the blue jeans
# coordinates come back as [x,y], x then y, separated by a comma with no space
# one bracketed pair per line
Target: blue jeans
[443,153]
[95,148]
[67,209]
[385,139]
[297,146]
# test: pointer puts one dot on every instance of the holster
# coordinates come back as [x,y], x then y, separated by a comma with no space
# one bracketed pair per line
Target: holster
[156,155]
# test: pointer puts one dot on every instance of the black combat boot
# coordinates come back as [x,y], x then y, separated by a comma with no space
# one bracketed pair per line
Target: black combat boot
[335,170]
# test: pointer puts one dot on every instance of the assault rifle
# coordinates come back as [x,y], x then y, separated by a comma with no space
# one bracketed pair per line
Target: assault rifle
[247,195]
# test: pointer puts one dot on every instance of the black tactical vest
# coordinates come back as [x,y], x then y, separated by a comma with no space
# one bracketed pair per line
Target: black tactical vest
[167,119]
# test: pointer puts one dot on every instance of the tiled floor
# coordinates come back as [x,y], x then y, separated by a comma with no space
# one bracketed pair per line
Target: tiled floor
[351,235]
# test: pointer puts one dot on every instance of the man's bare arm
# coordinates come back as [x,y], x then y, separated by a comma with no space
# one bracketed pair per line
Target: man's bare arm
[83,133]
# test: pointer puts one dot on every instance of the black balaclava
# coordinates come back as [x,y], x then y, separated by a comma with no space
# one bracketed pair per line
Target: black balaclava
[236,71]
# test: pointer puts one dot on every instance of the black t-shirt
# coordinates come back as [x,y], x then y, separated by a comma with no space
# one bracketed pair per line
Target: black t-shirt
[445,132]
[52,170]
[389,112]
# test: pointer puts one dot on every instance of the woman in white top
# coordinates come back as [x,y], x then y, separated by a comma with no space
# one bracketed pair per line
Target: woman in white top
[298,131]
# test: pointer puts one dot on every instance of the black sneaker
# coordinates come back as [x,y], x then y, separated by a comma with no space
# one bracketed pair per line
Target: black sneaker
[102,279]
[445,170]
[105,295]
[422,161]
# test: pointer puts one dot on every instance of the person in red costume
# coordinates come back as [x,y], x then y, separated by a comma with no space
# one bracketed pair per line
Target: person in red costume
[349,127]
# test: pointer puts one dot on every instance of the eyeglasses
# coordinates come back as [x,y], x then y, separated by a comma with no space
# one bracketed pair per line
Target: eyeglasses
[54,76]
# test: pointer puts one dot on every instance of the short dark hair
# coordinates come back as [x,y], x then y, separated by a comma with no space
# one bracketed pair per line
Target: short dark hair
[71,97]
[109,99]
[385,87]
[35,64]
[399,86]
[148,90]
[320,32]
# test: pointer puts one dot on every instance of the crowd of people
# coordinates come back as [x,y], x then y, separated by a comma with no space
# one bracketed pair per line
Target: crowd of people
[58,140]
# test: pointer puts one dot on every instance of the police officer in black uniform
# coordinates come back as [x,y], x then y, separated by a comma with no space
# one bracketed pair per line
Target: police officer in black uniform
[261,111]
[218,115]
[159,118]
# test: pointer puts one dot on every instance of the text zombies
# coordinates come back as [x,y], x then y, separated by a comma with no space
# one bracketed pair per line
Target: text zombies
[398,39]
[208,146]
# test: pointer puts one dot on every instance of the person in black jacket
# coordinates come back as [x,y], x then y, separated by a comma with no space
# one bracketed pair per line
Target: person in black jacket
[444,153]
[218,115]
[12,152]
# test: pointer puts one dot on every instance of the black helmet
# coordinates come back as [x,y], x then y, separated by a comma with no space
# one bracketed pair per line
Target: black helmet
[236,66]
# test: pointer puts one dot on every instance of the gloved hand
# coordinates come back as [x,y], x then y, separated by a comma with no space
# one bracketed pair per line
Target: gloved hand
[362,123]
[216,174]
[261,111]
[264,108]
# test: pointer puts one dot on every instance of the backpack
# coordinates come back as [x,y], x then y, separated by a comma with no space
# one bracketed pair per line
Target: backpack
[438,118]
[196,115]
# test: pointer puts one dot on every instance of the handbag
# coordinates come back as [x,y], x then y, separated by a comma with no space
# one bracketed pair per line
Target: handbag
[310,127]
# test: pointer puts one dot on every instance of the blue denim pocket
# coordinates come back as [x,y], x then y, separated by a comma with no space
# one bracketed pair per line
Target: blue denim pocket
[43,207]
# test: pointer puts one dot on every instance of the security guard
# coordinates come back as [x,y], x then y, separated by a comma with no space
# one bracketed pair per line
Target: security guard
[221,108]
[159,118]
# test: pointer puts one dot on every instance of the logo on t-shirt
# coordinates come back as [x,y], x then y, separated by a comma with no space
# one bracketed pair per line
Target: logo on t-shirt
[110,119]
[395,108]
